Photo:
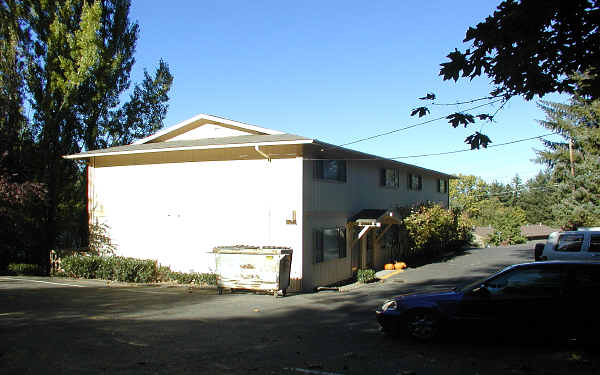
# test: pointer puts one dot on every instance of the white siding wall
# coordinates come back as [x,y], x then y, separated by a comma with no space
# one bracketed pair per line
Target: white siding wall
[329,204]
[177,212]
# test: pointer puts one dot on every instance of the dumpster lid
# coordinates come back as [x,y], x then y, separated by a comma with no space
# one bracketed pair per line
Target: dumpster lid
[257,250]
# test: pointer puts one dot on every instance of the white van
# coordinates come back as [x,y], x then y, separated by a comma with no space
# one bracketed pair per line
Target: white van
[573,245]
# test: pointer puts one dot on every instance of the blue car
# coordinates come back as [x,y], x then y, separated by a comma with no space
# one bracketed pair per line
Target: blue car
[553,296]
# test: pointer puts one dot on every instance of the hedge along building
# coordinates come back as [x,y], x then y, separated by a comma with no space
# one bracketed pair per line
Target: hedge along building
[209,181]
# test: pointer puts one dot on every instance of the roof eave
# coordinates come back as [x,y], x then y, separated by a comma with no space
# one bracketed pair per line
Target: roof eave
[185,148]
[375,157]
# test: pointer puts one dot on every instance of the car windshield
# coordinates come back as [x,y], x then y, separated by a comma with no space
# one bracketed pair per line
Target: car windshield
[477,283]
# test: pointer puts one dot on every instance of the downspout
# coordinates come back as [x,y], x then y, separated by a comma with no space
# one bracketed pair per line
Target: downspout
[257,148]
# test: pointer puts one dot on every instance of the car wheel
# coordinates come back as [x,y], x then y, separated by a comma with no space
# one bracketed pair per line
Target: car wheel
[423,325]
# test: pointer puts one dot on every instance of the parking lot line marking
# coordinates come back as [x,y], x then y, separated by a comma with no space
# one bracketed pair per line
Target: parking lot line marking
[316,372]
[391,274]
[43,282]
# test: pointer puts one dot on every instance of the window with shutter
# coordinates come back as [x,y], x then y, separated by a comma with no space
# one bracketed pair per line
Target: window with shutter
[390,178]
[415,182]
[329,243]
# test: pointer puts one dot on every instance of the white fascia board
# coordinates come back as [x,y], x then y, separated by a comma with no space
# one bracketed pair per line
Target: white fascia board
[218,120]
[188,148]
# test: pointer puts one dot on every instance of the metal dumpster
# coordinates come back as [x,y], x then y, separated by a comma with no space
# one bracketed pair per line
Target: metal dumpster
[254,268]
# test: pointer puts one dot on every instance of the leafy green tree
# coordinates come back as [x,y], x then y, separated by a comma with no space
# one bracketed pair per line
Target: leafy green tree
[503,193]
[466,192]
[487,211]
[71,60]
[507,222]
[575,160]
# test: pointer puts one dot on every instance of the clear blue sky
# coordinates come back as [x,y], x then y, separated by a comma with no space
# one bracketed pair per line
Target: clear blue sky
[336,71]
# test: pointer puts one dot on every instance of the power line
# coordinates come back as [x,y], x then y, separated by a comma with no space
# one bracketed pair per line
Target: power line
[471,149]
[414,125]
[466,101]
[441,153]
[548,187]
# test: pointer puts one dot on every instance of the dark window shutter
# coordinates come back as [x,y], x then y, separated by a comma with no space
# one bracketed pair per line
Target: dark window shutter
[410,187]
[342,242]
[382,177]
[439,186]
[445,186]
[318,171]
[420,187]
[342,170]
[318,246]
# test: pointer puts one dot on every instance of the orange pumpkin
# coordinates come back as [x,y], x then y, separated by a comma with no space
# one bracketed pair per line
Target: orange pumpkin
[389,266]
[400,265]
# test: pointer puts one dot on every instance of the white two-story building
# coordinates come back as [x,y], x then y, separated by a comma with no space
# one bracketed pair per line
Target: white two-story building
[209,181]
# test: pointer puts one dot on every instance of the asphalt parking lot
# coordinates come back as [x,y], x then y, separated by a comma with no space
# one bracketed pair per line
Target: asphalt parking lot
[62,326]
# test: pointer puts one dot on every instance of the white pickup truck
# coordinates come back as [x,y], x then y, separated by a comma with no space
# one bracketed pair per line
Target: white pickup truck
[573,245]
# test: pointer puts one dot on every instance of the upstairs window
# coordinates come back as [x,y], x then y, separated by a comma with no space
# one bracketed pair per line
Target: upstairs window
[332,170]
[415,182]
[390,178]
[329,244]
[442,186]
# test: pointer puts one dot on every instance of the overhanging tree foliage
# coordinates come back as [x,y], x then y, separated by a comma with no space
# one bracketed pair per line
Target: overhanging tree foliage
[64,66]
[532,47]
[528,48]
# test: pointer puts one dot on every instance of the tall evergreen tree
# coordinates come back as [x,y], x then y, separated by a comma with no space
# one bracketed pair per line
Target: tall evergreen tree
[575,161]
[537,197]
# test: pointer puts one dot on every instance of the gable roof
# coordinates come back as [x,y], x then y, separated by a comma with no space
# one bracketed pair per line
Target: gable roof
[197,144]
[257,137]
[200,120]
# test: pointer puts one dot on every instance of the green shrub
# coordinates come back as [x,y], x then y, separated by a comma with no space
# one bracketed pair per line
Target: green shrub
[81,266]
[135,270]
[106,269]
[187,278]
[129,270]
[24,269]
[163,274]
[365,276]
[110,268]
[433,229]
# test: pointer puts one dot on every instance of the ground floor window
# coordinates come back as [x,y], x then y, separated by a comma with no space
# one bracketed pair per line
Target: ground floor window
[329,243]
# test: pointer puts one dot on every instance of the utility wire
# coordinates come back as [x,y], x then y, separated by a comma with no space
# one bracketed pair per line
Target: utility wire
[467,101]
[471,149]
[414,125]
[442,153]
